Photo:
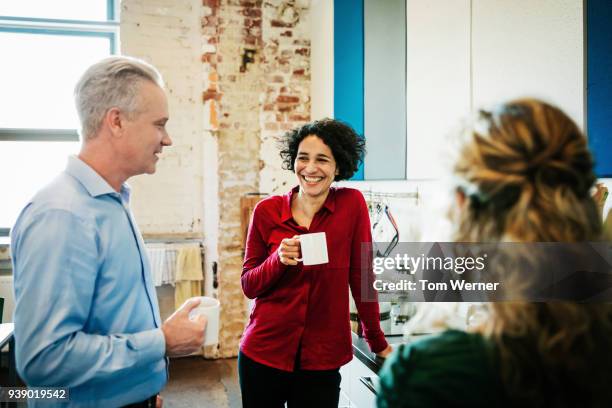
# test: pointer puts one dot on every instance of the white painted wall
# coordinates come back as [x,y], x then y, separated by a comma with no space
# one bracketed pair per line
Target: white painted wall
[170,201]
[529,48]
[437,80]
[322,58]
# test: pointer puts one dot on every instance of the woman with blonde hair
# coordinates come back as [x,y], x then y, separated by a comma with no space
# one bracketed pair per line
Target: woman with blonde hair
[524,174]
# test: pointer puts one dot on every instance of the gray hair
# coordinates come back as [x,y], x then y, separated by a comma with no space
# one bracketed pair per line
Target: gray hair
[111,82]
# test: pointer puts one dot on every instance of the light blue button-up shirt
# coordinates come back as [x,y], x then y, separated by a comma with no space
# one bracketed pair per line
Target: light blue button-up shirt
[86,314]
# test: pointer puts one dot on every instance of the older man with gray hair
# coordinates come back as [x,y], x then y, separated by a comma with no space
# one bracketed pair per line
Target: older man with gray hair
[86,315]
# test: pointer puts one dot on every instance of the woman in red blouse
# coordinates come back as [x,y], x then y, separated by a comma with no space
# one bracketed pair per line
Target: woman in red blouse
[298,336]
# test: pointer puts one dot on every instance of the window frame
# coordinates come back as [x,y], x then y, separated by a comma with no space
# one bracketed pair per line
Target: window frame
[108,29]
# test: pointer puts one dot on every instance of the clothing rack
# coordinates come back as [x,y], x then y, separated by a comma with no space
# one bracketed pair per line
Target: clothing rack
[378,196]
[171,241]
[384,225]
[163,253]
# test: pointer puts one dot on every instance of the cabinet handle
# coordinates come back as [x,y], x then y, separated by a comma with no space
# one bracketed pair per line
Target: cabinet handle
[367,381]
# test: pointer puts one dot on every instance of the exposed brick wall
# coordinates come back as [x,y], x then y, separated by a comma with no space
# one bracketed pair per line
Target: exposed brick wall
[286,100]
[240,82]
[238,74]
[256,54]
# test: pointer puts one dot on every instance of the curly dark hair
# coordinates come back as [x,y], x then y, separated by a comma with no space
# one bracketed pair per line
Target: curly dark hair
[346,145]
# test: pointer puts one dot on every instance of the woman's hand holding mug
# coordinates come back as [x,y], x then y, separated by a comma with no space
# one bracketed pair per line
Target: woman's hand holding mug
[289,250]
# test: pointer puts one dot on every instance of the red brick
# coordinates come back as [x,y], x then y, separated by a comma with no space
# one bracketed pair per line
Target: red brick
[252,12]
[252,23]
[298,72]
[283,107]
[299,117]
[211,3]
[211,94]
[279,23]
[287,33]
[302,51]
[287,99]
[210,21]
[209,57]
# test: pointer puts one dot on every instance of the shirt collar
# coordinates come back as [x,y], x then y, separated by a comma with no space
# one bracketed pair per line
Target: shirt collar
[92,181]
[330,202]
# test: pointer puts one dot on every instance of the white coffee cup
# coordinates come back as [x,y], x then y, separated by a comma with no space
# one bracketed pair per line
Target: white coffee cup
[314,248]
[209,307]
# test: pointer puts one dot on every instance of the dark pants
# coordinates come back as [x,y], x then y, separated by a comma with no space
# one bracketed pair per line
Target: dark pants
[267,387]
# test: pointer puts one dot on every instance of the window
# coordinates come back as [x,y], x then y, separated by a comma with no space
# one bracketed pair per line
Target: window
[45,48]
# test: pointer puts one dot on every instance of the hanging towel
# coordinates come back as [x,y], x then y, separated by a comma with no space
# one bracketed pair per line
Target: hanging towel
[188,274]
[185,290]
[189,264]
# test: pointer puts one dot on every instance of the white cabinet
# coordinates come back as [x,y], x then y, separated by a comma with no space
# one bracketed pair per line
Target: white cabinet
[358,385]
[345,401]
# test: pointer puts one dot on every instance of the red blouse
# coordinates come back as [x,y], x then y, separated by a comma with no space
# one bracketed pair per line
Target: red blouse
[308,306]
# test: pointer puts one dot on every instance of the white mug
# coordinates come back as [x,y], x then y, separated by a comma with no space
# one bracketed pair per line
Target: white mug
[209,307]
[314,248]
